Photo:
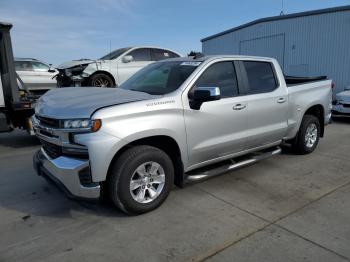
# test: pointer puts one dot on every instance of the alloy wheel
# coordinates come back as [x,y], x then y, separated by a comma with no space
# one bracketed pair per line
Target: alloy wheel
[311,135]
[147,182]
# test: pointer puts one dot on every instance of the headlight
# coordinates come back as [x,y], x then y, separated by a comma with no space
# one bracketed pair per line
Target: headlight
[85,124]
[74,71]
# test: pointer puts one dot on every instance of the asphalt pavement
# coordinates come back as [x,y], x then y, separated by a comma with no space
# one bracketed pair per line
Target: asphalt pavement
[286,208]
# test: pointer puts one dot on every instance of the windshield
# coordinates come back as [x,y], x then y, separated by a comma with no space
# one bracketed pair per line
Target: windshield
[114,54]
[160,78]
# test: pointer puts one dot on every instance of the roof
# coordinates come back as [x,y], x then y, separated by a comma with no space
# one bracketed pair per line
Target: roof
[214,57]
[280,17]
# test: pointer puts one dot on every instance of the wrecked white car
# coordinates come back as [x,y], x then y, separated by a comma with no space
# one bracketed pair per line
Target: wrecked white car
[341,105]
[112,69]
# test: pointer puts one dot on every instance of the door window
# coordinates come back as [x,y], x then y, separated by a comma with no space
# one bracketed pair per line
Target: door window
[37,66]
[261,77]
[141,54]
[161,54]
[222,75]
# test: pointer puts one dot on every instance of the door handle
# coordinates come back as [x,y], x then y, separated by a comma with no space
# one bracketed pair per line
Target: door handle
[281,100]
[239,107]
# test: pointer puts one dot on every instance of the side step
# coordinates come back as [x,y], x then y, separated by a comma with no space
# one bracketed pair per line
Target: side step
[229,165]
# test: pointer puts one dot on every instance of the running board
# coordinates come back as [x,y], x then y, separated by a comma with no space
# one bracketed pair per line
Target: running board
[229,165]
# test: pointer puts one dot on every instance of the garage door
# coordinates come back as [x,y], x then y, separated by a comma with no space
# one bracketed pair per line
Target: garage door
[270,46]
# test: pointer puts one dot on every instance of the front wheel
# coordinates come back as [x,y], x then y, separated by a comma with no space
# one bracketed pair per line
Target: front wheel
[141,179]
[101,80]
[308,135]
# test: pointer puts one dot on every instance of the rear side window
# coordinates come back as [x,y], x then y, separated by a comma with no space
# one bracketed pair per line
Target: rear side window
[220,75]
[161,54]
[261,77]
[23,66]
[142,54]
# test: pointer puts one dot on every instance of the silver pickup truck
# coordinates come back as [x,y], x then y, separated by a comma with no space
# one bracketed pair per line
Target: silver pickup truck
[175,121]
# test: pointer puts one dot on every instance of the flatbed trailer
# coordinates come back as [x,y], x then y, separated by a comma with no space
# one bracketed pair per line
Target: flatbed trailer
[16,104]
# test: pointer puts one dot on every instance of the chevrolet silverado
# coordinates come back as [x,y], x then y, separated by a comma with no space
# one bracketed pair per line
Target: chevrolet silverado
[175,121]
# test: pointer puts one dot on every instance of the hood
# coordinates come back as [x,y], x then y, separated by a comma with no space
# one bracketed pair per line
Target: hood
[74,63]
[82,102]
[344,96]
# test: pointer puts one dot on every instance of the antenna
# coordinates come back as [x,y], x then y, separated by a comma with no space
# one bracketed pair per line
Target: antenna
[282,7]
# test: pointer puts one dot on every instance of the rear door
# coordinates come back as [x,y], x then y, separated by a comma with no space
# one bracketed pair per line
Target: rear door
[25,71]
[141,58]
[218,128]
[267,103]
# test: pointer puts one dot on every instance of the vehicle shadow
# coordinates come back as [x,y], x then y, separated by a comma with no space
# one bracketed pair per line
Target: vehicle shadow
[341,120]
[18,139]
[48,201]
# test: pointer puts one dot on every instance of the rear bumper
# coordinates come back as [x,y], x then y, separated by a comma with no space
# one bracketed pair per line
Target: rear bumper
[66,173]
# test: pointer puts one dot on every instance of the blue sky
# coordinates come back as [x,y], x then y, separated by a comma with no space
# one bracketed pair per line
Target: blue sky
[57,31]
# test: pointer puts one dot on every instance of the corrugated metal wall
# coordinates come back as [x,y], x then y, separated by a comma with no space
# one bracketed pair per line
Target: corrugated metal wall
[308,46]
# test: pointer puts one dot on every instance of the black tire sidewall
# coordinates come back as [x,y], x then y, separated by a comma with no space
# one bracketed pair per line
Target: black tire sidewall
[307,121]
[124,171]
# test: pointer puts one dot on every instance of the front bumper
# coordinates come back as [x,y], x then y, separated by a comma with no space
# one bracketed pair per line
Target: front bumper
[68,81]
[341,110]
[67,172]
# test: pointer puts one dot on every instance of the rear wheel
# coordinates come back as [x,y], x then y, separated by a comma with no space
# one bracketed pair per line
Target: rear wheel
[101,80]
[308,135]
[141,179]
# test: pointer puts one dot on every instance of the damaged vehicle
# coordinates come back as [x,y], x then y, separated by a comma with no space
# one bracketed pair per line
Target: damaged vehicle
[341,105]
[112,69]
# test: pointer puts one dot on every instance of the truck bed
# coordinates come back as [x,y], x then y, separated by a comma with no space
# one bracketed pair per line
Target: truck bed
[302,95]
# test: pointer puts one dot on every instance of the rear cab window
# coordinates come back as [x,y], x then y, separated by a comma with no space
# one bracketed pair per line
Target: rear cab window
[261,77]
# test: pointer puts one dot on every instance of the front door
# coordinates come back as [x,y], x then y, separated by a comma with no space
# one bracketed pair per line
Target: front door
[44,75]
[218,128]
[141,58]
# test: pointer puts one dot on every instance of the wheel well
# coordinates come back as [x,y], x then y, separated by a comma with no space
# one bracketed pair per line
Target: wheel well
[317,111]
[166,144]
[103,72]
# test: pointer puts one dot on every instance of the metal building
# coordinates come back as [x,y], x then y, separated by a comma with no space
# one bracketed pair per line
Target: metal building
[305,44]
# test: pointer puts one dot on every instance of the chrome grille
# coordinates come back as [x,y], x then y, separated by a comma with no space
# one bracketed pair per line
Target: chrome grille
[49,122]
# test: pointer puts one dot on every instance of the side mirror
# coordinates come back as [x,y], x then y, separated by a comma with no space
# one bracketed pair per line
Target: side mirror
[204,94]
[128,59]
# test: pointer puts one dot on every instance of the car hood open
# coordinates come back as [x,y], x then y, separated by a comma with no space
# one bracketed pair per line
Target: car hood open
[82,102]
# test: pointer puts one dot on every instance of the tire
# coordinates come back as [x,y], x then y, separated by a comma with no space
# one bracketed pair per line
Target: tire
[128,167]
[305,143]
[101,80]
